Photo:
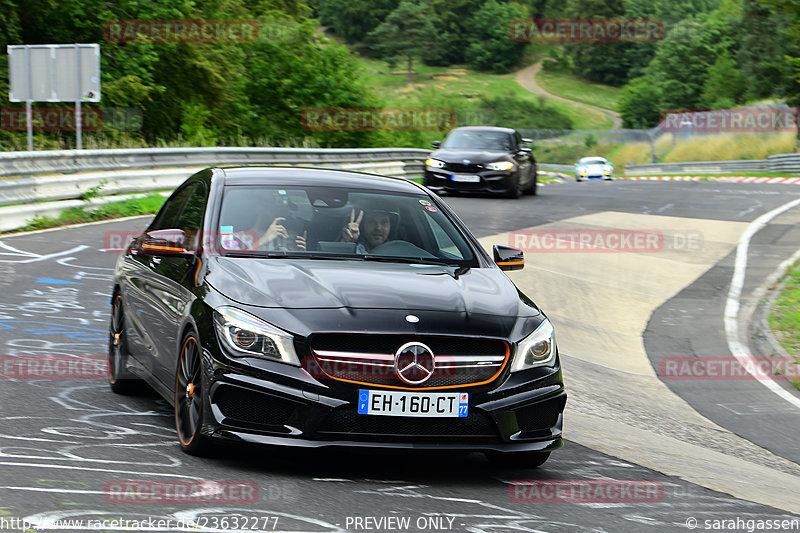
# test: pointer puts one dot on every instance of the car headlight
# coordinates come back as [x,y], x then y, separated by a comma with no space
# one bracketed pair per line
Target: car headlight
[500,165]
[538,348]
[582,170]
[247,335]
[434,163]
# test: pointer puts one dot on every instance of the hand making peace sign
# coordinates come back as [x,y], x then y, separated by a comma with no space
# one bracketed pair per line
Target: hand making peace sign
[351,231]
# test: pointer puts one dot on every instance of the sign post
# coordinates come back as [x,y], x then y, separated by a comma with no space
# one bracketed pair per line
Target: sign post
[54,73]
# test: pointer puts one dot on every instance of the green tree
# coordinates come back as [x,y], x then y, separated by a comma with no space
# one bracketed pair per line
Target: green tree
[602,62]
[354,19]
[302,70]
[668,13]
[640,103]
[682,60]
[790,14]
[490,46]
[725,86]
[407,32]
[452,28]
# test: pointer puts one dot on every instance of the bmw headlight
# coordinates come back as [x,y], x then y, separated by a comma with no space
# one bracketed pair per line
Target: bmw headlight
[247,335]
[538,348]
[434,163]
[500,165]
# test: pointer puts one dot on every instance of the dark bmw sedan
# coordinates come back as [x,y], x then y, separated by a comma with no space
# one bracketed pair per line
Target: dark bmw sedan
[484,159]
[312,308]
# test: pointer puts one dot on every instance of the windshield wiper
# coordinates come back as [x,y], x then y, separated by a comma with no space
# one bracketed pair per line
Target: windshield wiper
[409,260]
[294,255]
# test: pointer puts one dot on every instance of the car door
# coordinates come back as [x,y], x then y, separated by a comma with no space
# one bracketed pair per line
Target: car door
[173,286]
[145,289]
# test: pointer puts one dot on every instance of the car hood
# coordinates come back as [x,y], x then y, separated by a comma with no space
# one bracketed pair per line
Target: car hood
[474,156]
[321,284]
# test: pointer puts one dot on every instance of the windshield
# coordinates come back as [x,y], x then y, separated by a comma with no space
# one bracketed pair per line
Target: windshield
[594,161]
[336,223]
[490,141]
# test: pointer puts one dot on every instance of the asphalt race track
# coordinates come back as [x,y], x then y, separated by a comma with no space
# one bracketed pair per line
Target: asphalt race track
[716,450]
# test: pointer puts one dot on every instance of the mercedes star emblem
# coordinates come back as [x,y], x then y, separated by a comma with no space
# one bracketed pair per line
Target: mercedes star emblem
[414,363]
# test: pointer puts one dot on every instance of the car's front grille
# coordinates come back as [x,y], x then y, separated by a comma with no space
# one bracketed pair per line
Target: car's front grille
[370,359]
[345,422]
[251,407]
[461,167]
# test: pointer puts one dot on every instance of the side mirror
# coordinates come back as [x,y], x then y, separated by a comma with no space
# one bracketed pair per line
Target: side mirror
[527,141]
[164,242]
[436,144]
[508,257]
[523,150]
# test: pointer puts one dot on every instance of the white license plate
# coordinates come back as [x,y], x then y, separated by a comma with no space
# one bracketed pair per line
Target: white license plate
[430,404]
[466,178]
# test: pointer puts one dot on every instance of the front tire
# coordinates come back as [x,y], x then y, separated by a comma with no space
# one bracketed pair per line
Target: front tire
[532,187]
[190,398]
[515,191]
[119,379]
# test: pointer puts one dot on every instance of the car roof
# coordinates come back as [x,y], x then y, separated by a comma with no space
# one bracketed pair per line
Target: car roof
[309,176]
[484,128]
[592,157]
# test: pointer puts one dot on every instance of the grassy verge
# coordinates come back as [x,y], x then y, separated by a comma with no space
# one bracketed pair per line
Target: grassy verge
[463,85]
[574,88]
[78,215]
[784,317]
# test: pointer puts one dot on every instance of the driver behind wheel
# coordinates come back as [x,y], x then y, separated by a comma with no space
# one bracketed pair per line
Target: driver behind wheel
[369,229]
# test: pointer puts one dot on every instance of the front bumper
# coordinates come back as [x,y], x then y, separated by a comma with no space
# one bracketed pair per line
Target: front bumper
[265,402]
[494,181]
[593,175]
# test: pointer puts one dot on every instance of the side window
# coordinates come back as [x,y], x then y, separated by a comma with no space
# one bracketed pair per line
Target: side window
[517,139]
[167,217]
[191,218]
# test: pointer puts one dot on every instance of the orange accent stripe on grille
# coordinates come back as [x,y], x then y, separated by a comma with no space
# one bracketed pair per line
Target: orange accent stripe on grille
[505,360]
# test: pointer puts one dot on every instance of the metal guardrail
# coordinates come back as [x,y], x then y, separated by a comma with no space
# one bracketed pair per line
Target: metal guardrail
[70,186]
[775,163]
[40,176]
[51,162]
[784,163]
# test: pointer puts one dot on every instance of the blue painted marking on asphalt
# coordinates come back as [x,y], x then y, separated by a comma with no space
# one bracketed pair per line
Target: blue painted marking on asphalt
[52,281]
[71,332]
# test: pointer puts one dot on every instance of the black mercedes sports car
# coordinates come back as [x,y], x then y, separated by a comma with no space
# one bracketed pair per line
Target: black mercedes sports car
[313,307]
[482,158]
